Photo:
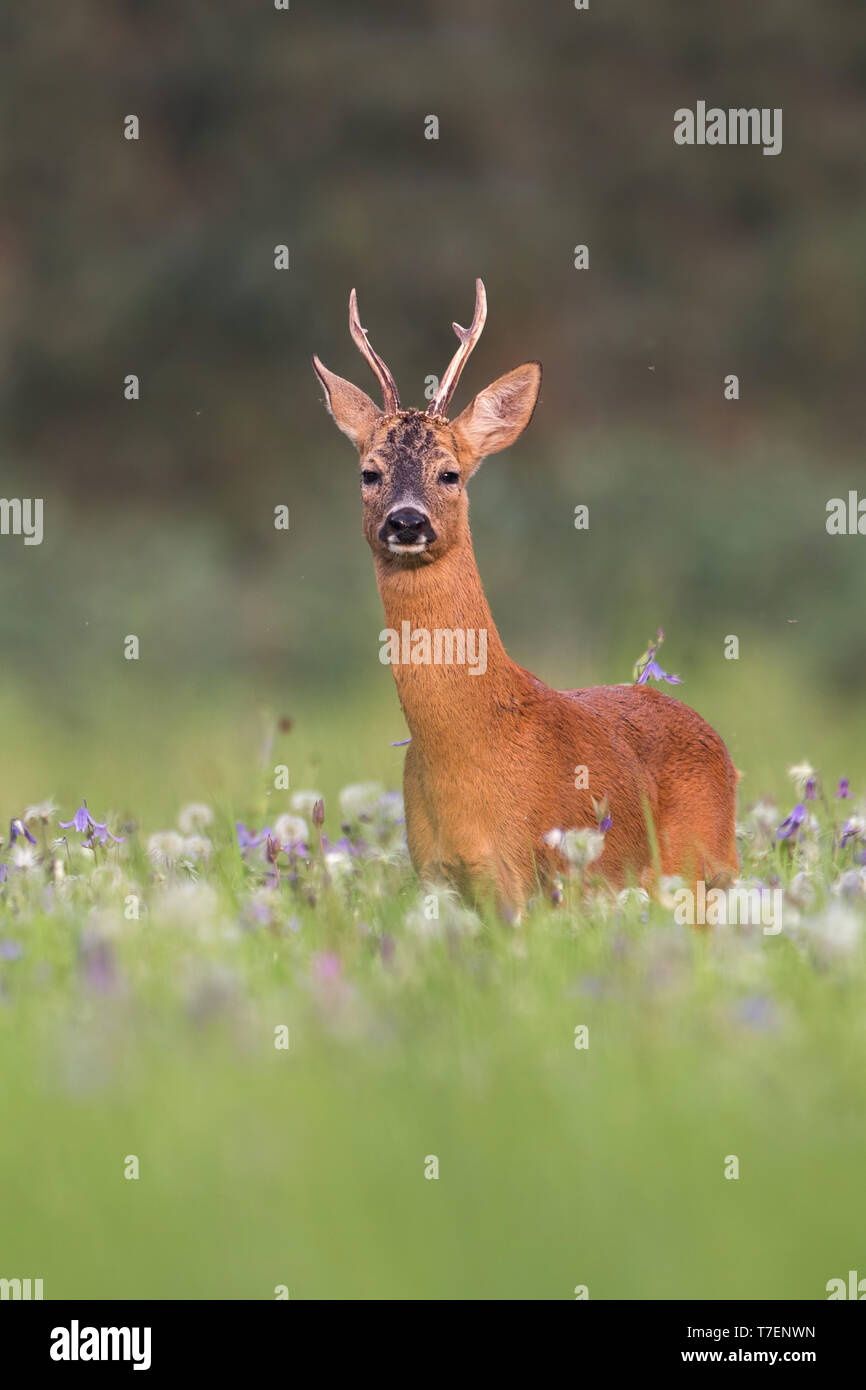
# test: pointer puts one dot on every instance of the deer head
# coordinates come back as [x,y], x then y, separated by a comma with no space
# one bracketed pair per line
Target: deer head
[415,464]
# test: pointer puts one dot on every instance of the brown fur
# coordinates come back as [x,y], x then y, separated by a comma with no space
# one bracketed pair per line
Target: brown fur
[491,765]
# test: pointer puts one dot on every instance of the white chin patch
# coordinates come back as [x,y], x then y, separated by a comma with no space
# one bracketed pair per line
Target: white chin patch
[397,549]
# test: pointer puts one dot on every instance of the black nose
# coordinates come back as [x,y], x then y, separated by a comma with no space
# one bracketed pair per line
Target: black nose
[407,526]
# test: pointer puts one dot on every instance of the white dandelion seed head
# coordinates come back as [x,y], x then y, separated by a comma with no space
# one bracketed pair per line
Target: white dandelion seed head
[197,847]
[582,847]
[165,848]
[837,931]
[338,862]
[764,814]
[303,802]
[850,884]
[800,774]
[669,886]
[107,878]
[24,858]
[190,904]
[801,889]
[194,818]
[360,799]
[291,830]
[637,896]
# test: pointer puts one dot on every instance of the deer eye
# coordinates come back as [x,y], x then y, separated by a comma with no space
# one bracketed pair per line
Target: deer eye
[449,477]
[369,476]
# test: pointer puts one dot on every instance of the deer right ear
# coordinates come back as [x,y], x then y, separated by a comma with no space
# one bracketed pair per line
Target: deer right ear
[499,413]
[353,411]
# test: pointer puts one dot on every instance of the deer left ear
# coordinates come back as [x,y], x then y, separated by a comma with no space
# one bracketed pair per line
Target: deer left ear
[500,413]
[353,411]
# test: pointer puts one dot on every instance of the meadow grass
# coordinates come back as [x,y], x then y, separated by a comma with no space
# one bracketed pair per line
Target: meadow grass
[412,1037]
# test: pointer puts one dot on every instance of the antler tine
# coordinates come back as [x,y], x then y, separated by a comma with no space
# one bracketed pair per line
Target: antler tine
[386,381]
[468,338]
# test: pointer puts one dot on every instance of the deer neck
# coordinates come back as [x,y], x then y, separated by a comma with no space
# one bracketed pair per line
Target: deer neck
[429,611]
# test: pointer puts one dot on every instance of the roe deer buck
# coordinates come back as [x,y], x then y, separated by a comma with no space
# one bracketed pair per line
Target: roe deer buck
[490,769]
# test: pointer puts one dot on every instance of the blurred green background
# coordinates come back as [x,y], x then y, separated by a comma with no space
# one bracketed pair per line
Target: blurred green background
[707,517]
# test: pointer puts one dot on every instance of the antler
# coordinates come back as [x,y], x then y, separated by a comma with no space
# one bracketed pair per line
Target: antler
[468,338]
[386,381]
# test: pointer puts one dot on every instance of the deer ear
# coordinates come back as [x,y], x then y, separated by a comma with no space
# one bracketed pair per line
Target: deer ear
[353,411]
[499,413]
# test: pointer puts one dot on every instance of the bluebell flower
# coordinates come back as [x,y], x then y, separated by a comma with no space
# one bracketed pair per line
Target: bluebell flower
[652,671]
[851,830]
[97,831]
[81,821]
[647,668]
[601,806]
[17,828]
[793,822]
[249,839]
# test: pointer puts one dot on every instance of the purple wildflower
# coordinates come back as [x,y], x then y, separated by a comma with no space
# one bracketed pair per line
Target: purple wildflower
[344,844]
[851,830]
[17,828]
[842,791]
[81,821]
[793,822]
[653,671]
[647,668]
[810,789]
[601,806]
[99,833]
[248,839]
[297,849]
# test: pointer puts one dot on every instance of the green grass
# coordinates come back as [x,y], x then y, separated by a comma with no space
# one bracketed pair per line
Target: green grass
[557,1166]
